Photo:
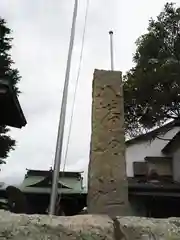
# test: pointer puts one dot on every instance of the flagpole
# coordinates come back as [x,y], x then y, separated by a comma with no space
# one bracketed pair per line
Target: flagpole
[111,50]
[59,144]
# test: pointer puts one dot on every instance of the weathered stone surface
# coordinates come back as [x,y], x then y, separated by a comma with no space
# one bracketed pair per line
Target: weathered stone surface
[149,229]
[86,227]
[107,189]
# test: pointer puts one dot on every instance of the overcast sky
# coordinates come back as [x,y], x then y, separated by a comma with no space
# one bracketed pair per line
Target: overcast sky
[41,30]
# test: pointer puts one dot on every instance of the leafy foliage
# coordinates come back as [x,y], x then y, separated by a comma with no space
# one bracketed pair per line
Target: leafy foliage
[152,86]
[10,74]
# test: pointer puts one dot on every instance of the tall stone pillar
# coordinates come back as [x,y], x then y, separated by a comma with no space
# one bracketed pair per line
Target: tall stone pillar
[107,184]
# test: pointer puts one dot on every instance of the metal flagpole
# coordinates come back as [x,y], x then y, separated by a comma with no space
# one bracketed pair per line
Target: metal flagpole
[59,145]
[111,50]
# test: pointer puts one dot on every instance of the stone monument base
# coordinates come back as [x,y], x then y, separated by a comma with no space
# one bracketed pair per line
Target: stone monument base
[86,227]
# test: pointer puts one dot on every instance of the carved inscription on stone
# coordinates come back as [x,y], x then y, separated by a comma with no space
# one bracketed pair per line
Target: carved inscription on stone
[107,185]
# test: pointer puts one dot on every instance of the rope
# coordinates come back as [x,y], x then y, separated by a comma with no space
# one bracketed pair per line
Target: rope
[75,91]
[76,84]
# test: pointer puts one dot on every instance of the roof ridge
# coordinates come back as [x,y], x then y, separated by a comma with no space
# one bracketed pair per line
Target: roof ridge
[153,133]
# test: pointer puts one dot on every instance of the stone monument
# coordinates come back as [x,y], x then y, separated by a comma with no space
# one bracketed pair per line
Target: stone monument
[107,184]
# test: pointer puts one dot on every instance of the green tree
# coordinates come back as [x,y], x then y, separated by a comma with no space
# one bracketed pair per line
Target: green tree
[152,86]
[10,74]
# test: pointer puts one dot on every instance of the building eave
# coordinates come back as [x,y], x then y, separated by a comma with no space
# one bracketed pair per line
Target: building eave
[11,111]
[152,134]
[31,172]
[170,145]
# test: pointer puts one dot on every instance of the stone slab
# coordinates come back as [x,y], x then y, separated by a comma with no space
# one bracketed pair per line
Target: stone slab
[36,227]
[86,227]
[107,184]
[148,229]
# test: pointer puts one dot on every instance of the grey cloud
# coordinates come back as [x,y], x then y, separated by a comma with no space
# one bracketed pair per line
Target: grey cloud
[41,31]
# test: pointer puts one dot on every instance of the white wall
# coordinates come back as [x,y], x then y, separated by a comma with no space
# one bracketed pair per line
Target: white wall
[176,165]
[137,152]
